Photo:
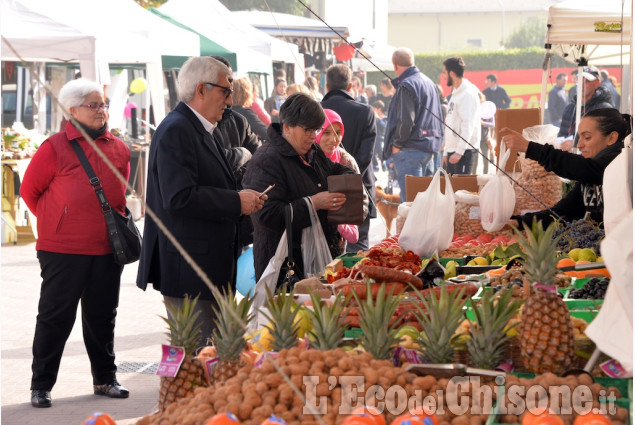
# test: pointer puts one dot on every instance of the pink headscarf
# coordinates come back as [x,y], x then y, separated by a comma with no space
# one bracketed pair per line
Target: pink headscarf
[331,117]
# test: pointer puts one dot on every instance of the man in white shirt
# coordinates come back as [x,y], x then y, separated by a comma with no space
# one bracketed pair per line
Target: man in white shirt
[464,119]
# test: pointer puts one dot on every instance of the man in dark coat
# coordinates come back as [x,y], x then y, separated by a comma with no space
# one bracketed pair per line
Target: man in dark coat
[359,137]
[192,190]
[595,96]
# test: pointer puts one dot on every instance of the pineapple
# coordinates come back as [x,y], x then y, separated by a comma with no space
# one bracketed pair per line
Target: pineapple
[282,325]
[379,334]
[328,327]
[229,335]
[439,319]
[184,331]
[489,337]
[546,334]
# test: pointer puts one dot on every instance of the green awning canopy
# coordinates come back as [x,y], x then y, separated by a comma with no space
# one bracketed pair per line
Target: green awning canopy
[208,47]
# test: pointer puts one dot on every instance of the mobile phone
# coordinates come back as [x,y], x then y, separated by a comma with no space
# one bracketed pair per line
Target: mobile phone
[271,186]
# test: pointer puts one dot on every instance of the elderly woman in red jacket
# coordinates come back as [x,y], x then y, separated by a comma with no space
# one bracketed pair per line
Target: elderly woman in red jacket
[73,249]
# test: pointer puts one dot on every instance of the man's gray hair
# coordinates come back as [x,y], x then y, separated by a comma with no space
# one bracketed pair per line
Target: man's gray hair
[338,77]
[403,56]
[198,70]
[75,92]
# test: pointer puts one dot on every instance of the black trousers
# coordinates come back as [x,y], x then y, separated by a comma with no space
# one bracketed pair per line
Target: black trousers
[466,165]
[68,279]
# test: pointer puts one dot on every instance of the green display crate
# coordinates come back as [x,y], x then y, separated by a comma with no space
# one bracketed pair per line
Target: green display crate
[349,259]
[583,304]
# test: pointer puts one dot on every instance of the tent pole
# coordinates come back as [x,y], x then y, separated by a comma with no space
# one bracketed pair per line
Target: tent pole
[546,66]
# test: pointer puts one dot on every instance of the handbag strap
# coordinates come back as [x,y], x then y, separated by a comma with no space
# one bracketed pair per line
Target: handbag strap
[106,209]
[288,219]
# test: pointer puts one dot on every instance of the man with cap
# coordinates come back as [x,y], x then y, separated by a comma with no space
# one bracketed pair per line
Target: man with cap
[594,96]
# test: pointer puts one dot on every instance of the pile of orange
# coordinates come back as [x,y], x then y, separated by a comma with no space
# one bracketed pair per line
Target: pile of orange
[566,262]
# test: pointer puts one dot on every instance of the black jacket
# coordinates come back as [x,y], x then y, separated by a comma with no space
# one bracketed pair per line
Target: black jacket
[234,133]
[257,126]
[586,195]
[601,99]
[192,189]
[359,135]
[276,162]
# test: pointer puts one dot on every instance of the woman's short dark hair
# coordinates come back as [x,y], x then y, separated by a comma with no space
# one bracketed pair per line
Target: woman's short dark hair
[609,120]
[301,110]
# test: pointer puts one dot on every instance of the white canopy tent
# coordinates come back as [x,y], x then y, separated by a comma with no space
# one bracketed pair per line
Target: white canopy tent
[123,33]
[587,32]
[255,50]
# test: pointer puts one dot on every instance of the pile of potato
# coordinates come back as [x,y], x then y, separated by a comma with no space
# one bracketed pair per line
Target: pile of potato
[257,392]
[546,186]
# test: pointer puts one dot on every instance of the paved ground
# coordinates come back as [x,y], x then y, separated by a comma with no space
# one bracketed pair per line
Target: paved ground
[139,334]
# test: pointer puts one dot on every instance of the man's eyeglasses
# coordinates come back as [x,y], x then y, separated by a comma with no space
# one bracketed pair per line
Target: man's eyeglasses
[94,106]
[227,90]
[311,131]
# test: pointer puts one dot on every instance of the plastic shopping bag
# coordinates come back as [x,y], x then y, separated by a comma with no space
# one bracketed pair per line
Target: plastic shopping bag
[430,222]
[315,250]
[269,278]
[497,199]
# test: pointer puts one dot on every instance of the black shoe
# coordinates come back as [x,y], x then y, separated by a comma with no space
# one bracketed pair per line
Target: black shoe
[112,390]
[41,398]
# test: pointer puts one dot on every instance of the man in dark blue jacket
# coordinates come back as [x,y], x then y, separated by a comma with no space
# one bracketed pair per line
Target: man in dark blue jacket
[414,129]
[358,139]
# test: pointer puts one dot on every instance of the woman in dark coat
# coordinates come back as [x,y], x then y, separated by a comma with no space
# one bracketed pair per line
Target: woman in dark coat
[602,132]
[298,167]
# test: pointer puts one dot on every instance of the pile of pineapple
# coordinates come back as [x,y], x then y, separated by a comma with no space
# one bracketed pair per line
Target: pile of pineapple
[277,385]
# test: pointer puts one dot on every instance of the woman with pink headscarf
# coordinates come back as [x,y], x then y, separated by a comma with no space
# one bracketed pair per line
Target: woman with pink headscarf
[330,140]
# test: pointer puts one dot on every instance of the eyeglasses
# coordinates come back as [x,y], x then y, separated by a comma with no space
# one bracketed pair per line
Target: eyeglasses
[94,106]
[227,90]
[311,131]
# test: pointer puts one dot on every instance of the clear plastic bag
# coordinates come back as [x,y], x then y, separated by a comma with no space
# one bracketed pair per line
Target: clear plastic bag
[430,222]
[497,199]
[315,250]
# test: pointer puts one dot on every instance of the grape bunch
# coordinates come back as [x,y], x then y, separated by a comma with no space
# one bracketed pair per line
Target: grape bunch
[594,289]
[579,234]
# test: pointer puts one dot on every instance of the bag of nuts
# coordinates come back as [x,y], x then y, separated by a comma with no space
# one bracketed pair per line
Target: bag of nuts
[544,185]
[467,215]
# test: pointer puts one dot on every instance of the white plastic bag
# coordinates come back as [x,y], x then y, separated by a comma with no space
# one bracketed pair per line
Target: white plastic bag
[315,250]
[430,223]
[498,198]
[269,277]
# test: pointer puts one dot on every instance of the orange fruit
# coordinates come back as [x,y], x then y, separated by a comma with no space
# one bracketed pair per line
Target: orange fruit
[371,411]
[592,418]
[566,262]
[407,419]
[223,419]
[356,419]
[273,420]
[99,418]
[543,418]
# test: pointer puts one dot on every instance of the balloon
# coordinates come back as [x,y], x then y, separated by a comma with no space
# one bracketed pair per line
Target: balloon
[246,274]
[127,110]
[138,85]
[488,110]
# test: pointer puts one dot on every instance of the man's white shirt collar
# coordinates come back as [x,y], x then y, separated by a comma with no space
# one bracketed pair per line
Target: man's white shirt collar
[209,127]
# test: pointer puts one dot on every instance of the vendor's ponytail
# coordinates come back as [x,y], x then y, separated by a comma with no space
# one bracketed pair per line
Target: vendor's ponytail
[609,120]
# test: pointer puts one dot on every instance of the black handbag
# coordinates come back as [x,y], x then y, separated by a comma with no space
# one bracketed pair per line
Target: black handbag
[123,233]
[290,274]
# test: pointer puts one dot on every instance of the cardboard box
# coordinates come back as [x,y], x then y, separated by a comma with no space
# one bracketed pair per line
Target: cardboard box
[518,120]
[465,182]
[415,185]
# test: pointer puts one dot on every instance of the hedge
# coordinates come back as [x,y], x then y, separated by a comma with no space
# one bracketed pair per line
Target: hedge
[499,60]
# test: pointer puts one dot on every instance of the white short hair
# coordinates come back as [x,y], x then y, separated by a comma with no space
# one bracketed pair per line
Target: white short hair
[199,69]
[75,92]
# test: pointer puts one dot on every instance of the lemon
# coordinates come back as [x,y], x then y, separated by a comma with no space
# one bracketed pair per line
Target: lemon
[574,254]
[264,340]
[304,320]
[472,263]
[481,261]
[587,254]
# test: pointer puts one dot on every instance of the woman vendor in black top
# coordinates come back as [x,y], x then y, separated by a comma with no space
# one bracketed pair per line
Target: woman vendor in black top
[602,133]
